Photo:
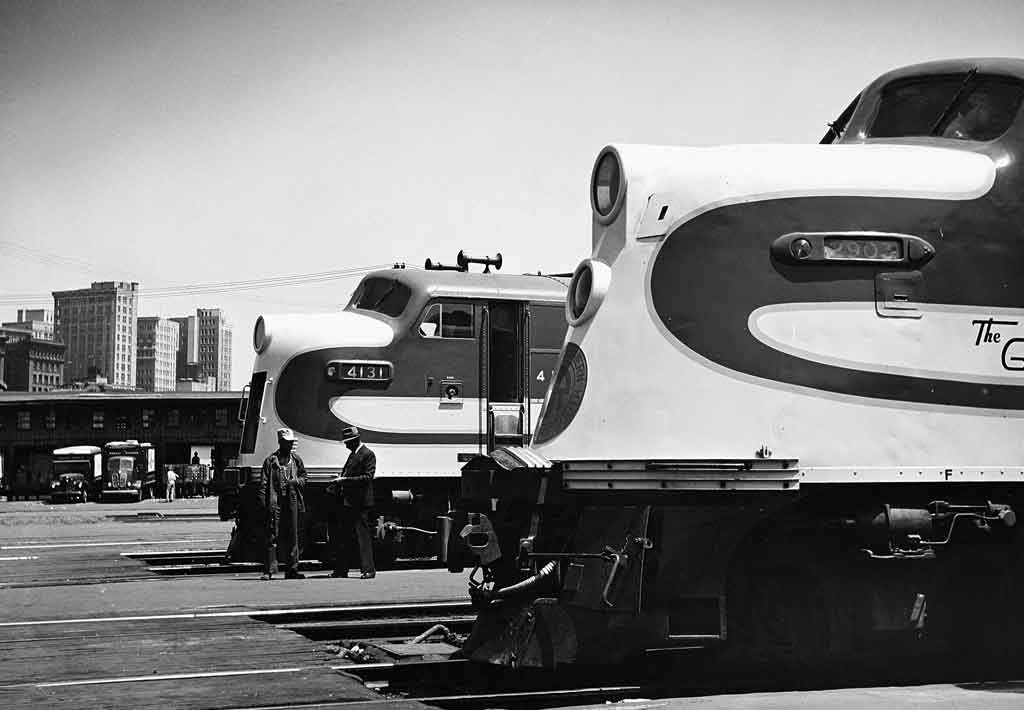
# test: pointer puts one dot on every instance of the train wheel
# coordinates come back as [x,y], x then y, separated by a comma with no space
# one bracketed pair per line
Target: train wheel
[385,552]
[777,616]
[979,611]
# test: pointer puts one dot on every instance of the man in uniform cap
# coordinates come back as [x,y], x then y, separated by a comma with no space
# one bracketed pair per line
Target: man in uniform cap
[354,490]
[284,478]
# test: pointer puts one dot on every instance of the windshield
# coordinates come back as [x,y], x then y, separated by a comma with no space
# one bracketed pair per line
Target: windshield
[966,106]
[120,464]
[62,467]
[381,295]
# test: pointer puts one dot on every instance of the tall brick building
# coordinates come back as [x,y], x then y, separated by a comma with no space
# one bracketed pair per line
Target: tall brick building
[28,363]
[98,326]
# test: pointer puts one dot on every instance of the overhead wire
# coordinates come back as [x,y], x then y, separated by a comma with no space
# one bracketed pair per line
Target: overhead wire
[173,290]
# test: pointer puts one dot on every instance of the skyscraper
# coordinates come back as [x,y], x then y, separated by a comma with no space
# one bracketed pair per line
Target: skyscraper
[157,354]
[214,344]
[98,326]
[188,353]
[204,347]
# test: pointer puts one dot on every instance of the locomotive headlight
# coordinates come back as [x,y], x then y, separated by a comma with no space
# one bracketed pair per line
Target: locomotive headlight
[607,186]
[260,336]
[587,290]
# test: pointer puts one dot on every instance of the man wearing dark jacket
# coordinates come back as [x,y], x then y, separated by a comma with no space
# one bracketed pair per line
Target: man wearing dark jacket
[284,479]
[354,499]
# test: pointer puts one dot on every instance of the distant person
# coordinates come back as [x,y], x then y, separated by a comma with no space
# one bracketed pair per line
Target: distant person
[284,480]
[354,499]
[172,478]
[195,458]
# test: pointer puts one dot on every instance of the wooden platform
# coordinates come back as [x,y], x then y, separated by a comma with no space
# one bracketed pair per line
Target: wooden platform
[180,663]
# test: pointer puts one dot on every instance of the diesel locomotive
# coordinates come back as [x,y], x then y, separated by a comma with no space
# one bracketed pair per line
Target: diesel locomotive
[434,366]
[788,418]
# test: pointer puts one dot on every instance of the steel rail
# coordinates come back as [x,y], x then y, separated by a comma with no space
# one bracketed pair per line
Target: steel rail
[283,615]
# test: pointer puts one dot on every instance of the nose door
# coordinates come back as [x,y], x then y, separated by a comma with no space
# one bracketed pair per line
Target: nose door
[502,364]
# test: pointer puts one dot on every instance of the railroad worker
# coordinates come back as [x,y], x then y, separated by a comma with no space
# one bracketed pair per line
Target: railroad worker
[354,499]
[172,478]
[283,482]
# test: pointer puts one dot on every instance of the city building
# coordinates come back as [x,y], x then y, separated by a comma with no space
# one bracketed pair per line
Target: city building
[30,364]
[205,341]
[215,346]
[33,425]
[98,326]
[188,350]
[208,384]
[157,354]
[38,320]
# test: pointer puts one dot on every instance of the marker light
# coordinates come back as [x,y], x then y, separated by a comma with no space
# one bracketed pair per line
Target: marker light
[260,336]
[607,186]
[587,290]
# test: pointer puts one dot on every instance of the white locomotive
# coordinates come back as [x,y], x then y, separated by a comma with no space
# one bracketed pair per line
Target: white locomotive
[432,365]
[788,418]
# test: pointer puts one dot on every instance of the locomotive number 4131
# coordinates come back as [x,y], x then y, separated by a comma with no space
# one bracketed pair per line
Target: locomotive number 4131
[361,371]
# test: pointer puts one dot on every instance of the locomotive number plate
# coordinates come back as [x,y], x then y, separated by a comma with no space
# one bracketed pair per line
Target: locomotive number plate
[359,371]
[863,249]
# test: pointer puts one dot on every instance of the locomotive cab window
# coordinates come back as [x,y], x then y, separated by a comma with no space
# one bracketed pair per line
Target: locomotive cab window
[381,295]
[958,106]
[448,320]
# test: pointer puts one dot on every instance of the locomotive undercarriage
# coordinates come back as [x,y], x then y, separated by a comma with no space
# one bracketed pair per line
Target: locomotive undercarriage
[405,520]
[794,580]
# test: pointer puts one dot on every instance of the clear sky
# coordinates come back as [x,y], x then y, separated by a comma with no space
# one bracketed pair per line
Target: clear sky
[192,142]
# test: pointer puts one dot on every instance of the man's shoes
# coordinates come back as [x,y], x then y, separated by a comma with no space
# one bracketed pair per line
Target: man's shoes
[339,575]
[367,575]
[294,575]
[265,576]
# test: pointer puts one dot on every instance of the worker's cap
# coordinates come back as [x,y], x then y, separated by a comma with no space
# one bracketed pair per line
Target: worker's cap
[349,433]
[285,434]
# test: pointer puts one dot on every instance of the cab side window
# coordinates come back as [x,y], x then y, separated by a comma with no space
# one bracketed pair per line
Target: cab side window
[448,320]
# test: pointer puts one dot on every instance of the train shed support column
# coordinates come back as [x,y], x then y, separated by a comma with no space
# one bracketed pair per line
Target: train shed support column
[7,453]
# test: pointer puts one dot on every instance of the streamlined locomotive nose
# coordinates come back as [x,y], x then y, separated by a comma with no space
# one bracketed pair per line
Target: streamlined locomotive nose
[343,329]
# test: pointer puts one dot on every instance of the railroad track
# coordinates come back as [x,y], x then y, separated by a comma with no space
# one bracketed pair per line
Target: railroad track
[379,623]
[186,562]
[150,516]
[288,674]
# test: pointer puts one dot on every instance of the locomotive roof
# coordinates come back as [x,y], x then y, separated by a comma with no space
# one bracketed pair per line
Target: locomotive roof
[1008,66]
[474,284]
[865,108]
